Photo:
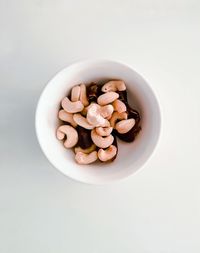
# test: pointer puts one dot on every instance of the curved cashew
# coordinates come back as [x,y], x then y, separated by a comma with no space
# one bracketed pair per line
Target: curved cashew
[107,98]
[119,106]
[86,150]
[108,154]
[94,117]
[83,95]
[124,126]
[75,93]
[71,107]
[114,85]
[71,135]
[66,116]
[82,121]
[106,111]
[104,131]
[117,116]
[82,158]
[101,142]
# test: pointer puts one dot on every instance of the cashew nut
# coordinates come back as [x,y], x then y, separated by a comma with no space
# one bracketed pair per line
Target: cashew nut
[72,107]
[82,158]
[114,85]
[86,150]
[117,116]
[94,116]
[104,131]
[106,111]
[101,142]
[75,93]
[92,113]
[108,154]
[107,98]
[82,121]
[83,95]
[71,135]
[124,126]
[119,106]
[66,116]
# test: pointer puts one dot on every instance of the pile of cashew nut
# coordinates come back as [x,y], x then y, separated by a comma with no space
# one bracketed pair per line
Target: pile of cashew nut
[93,116]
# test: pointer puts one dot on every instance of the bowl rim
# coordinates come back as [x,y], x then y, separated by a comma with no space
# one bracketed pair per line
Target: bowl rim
[94,61]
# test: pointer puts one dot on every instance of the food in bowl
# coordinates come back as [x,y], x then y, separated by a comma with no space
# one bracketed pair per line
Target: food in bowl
[93,117]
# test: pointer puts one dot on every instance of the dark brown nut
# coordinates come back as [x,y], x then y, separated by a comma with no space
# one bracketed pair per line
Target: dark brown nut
[123,96]
[131,134]
[116,145]
[93,91]
[132,113]
[84,137]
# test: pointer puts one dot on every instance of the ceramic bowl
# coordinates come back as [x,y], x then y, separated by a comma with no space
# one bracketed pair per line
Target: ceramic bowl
[131,156]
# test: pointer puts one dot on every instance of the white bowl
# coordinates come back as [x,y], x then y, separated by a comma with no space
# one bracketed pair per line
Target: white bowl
[131,156]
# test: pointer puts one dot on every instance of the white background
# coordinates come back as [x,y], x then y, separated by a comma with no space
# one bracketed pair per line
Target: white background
[155,211]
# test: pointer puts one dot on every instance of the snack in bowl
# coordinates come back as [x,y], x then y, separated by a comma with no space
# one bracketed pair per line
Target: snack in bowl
[93,116]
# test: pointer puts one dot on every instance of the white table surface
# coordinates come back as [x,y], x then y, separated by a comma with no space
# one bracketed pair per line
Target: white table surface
[155,211]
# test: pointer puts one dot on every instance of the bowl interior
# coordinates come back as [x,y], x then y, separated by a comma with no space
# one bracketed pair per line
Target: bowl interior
[131,156]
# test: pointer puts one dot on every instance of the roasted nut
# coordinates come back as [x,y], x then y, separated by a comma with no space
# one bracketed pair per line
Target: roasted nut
[108,154]
[83,158]
[82,121]
[67,117]
[84,137]
[106,111]
[75,93]
[115,144]
[83,95]
[119,106]
[133,114]
[114,85]
[72,107]
[132,133]
[107,98]
[93,91]
[129,136]
[70,133]
[125,125]
[113,157]
[94,116]
[123,96]
[116,117]
[104,131]
[86,150]
[101,142]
